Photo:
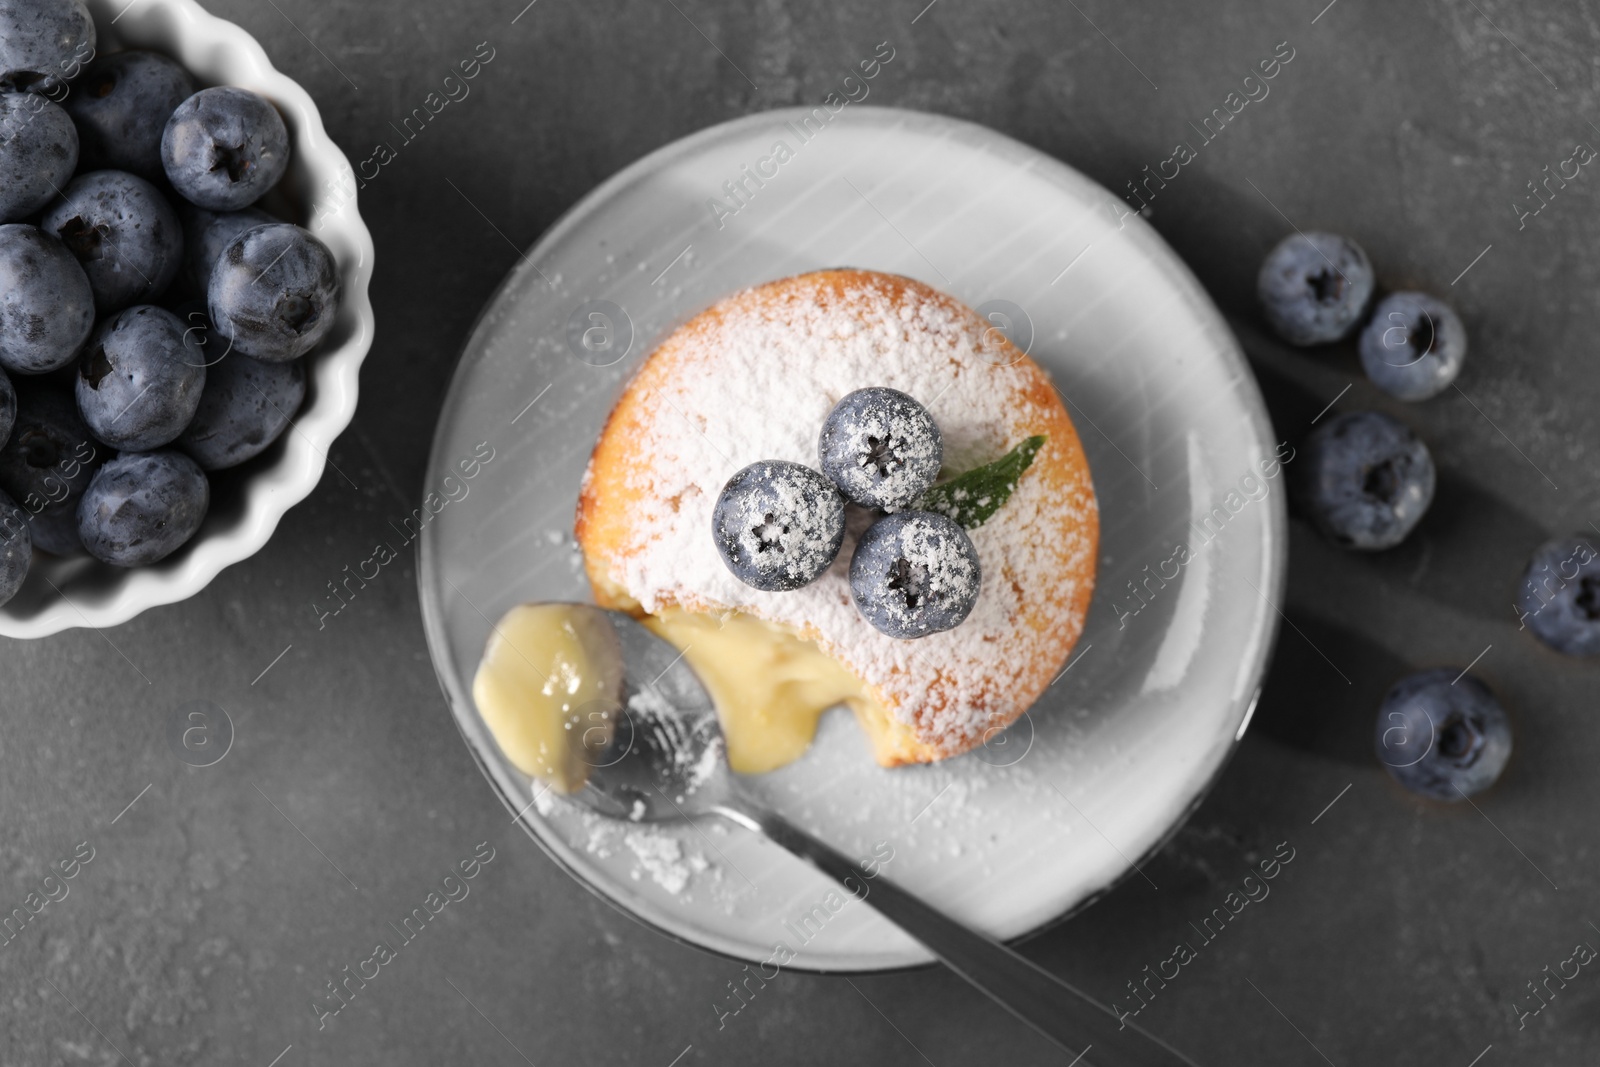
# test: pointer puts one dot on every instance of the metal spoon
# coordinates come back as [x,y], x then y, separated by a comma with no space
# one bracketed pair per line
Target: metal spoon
[666,761]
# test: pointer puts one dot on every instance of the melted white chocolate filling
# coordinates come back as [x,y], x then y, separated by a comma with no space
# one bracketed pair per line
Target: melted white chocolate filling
[771,686]
[550,682]
[549,688]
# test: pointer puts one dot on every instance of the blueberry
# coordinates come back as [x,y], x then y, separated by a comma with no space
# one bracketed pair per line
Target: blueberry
[16,547]
[8,407]
[1442,734]
[915,573]
[140,379]
[274,292]
[49,457]
[46,304]
[141,506]
[43,44]
[207,233]
[881,448]
[1413,346]
[38,153]
[224,147]
[1560,596]
[124,233]
[1366,479]
[778,525]
[55,529]
[197,324]
[1314,287]
[245,406]
[121,108]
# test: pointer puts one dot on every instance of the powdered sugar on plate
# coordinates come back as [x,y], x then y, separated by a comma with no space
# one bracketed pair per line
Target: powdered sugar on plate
[662,858]
[658,854]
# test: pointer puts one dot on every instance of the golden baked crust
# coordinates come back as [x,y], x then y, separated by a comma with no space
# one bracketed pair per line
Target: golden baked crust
[752,378]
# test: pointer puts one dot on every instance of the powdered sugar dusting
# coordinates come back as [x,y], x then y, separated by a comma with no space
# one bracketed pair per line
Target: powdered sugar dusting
[661,857]
[755,378]
[657,855]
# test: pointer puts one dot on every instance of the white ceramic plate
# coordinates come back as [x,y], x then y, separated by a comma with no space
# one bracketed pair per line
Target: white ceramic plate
[318,192]
[1118,750]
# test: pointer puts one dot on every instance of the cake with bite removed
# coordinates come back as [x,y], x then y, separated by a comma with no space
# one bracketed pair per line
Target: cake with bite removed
[1011,522]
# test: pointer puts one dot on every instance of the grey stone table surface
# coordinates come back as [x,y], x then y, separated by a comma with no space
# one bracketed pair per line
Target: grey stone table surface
[215,908]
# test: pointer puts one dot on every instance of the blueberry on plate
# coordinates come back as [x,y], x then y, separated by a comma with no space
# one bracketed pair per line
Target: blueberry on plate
[1366,480]
[49,457]
[16,548]
[245,406]
[43,44]
[224,147]
[121,106]
[141,506]
[274,292]
[140,379]
[915,573]
[1314,287]
[778,525]
[881,448]
[207,233]
[46,303]
[1560,596]
[1413,346]
[123,232]
[1442,734]
[38,153]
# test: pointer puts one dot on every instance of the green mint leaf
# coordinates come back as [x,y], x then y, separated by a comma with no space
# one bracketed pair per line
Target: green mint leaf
[972,498]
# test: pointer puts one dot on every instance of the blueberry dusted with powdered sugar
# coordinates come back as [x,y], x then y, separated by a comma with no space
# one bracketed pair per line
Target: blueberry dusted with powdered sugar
[881,448]
[778,525]
[915,573]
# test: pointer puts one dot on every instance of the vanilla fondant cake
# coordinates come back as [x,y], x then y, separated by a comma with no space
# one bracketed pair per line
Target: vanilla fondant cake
[753,378]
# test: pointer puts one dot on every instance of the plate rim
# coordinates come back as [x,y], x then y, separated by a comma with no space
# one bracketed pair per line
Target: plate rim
[1229,349]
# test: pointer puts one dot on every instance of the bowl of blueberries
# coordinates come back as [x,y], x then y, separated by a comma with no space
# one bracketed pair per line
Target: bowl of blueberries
[183,305]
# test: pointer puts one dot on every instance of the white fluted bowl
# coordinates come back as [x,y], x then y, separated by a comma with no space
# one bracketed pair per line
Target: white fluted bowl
[317,192]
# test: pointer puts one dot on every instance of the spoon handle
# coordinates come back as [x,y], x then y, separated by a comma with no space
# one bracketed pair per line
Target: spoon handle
[1072,1020]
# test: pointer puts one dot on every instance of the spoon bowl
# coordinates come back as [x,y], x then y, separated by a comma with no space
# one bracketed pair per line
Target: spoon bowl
[665,759]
